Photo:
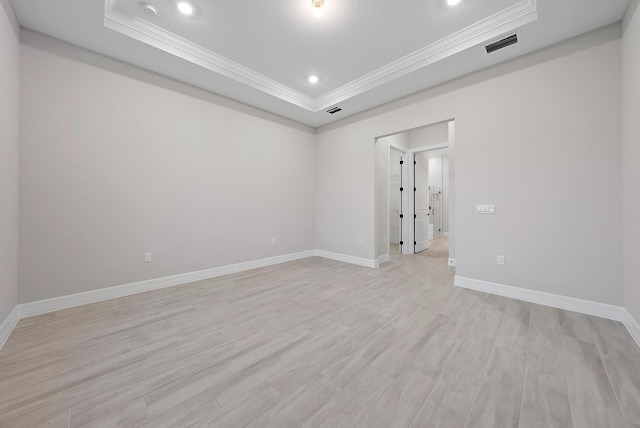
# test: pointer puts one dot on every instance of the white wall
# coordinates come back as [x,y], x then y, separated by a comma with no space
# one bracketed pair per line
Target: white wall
[382,156]
[564,100]
[631,157]
[445,194]
[116,161]
[436,171]
[109,151]
[436,133]
[9,108]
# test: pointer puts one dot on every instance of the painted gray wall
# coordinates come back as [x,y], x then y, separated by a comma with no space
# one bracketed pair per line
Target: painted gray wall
[564,100]
[631,157]
[116,161]
[9,107]
[382,195]
[437,133]
[99,152]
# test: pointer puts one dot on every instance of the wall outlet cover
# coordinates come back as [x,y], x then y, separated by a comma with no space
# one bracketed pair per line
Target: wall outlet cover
[485,209]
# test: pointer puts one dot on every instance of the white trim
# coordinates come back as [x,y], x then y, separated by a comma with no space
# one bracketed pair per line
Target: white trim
[507,20]
[40,307]
[347,259]
[393,146]
[150,34]
[8,325]
[632,326]
[49,305]
[431,147]
[496,25]
[65,302]
[587,307]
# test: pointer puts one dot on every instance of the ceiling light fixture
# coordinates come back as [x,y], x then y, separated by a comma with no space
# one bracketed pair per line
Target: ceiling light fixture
[313,79]
[317,3]
[149,9]
[453,2]
[185,8]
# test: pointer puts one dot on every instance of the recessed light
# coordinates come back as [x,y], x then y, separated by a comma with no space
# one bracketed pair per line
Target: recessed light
[317,3]
[313,79]
[185,8]
[453,2]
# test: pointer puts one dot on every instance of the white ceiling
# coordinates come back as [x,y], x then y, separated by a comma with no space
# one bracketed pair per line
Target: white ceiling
[365,53]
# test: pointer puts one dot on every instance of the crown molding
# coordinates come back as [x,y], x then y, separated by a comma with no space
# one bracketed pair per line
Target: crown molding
[502,22]
[507,20]
[155,36]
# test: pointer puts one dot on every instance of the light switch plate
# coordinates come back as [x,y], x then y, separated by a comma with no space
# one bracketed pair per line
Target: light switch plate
[485,209]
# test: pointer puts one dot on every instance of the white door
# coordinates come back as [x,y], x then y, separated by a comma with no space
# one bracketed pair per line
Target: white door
[421,217]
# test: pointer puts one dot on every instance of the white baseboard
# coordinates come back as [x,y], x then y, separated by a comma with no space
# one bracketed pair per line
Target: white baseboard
[347,259]
[40,307]
[8,325]
[383,259]
[65,302]
[586,307]
[632,326]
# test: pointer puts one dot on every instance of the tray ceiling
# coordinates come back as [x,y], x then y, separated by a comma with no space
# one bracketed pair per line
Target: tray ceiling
[365,53]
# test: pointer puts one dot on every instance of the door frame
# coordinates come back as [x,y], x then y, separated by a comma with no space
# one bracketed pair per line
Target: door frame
[416,191]
[450,145]
[410,249]
[403,199]
[407,225]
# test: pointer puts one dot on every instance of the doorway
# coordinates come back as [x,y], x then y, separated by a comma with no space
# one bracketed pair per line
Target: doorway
[409,219]
[432,196]
[391,197]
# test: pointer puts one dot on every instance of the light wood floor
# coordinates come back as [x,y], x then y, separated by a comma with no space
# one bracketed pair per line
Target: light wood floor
[320,343]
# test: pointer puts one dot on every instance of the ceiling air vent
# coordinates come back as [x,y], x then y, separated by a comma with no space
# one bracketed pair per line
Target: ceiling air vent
[334,110]
[507,41]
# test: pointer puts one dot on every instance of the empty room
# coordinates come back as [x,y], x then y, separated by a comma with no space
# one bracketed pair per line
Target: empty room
[319,213]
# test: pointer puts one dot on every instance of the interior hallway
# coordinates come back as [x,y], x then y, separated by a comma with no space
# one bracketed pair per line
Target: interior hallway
[321,343]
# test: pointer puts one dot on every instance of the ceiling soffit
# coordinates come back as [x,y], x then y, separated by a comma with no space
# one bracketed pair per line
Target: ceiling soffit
[487,29]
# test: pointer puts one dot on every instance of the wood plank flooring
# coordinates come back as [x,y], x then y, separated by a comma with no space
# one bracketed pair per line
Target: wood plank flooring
[318,343]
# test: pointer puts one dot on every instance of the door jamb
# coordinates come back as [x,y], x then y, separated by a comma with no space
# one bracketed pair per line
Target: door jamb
[413,152]
[403,151]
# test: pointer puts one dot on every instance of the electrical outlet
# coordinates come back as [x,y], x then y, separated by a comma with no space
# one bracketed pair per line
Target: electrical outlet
[359,241]
[273,241]
[451,262]
[384,239]
[501,260]
[147,257]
